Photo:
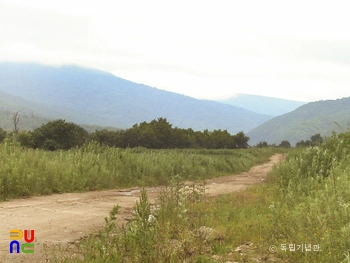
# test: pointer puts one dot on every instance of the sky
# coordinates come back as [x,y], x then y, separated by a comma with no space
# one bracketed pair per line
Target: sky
[297,50]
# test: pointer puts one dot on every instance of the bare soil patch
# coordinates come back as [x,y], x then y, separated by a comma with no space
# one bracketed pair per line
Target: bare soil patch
[65,218]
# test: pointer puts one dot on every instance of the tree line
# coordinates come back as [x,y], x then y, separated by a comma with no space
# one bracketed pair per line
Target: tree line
[314,140]
[157,134]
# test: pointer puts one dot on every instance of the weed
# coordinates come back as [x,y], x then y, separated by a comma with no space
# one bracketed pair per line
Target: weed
[25,172]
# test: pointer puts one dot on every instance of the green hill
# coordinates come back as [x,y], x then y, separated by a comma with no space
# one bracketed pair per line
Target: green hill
[315,117]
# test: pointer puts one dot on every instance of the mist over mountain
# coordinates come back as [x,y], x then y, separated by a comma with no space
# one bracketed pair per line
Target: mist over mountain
[262,104]
[88,96]
[315,117]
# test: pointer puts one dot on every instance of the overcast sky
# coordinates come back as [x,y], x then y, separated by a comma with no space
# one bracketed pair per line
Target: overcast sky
[297,50]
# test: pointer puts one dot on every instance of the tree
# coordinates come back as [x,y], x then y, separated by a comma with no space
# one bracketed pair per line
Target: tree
[149,138]
[263,144]
[181,138]
[15,123]
[285,144]
[2,134]
[221,139]
[59,134]
[159,134]
[204,139]
[108,138]
[162,130]
[316,139]
[25,138]
[301,143]
[156,134]
[240,140]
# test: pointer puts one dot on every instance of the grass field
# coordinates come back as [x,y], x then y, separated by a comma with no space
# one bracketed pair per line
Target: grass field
[25,172]
[303,206]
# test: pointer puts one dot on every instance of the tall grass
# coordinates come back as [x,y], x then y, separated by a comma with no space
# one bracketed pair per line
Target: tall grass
[25,172]
[304,201]
[312,203]
[186,227]
[176,232]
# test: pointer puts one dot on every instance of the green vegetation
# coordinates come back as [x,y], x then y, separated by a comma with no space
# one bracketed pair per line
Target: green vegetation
[187,226]
[285,144]
[2,135]
[58,135]
[25,172]
[158,134]
[175,232]
[312,199]
[303,202]
[316,117]
[314,140]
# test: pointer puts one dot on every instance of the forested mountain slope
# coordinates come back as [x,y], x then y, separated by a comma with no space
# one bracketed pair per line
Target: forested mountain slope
[88,96]
[315,117]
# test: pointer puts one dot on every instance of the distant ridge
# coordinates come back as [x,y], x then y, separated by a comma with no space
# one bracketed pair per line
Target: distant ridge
[263,105]
[315,117]
[94,97]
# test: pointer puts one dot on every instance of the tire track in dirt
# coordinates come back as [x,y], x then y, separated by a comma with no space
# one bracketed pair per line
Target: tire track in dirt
[65,218]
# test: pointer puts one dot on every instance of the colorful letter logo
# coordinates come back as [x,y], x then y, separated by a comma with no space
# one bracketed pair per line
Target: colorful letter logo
[28,247]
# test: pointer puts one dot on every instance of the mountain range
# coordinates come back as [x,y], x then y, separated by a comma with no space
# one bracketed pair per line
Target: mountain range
[263,105]
[94,97]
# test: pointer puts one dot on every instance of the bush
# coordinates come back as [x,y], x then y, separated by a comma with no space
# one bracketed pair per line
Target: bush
[59,134]
[2,135]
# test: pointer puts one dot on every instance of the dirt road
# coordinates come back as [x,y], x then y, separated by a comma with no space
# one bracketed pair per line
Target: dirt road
[64,218]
